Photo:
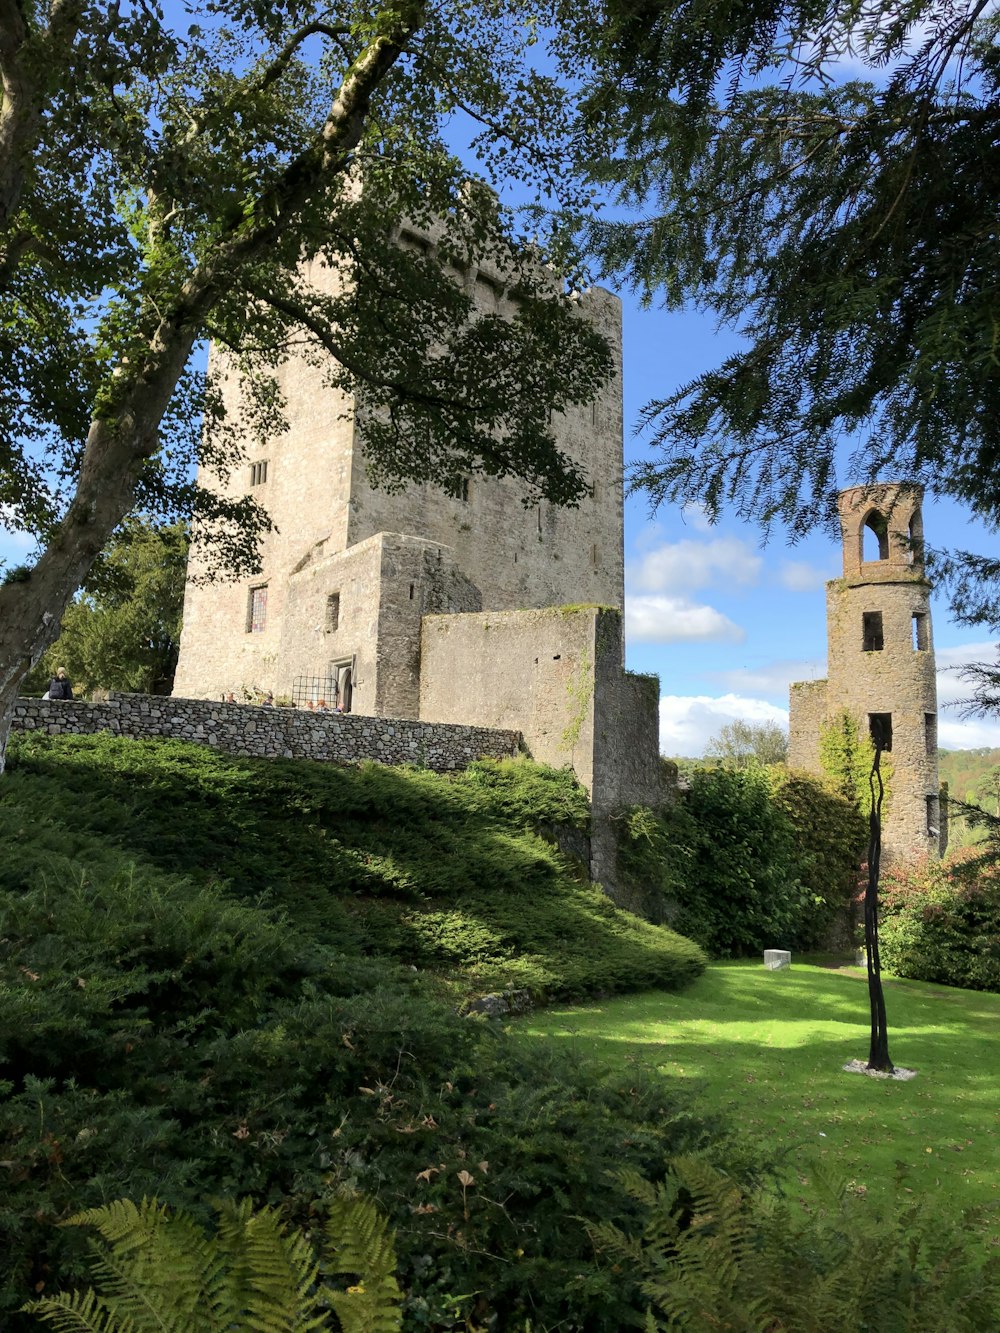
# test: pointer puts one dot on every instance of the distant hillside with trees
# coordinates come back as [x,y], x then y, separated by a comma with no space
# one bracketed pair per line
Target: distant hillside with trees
[972,776]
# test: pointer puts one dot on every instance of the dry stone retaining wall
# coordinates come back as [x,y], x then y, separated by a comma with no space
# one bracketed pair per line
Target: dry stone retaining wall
[286,733]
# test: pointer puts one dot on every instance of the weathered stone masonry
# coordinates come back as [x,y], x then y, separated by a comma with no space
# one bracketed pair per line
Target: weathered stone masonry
[881,660]
[262,733]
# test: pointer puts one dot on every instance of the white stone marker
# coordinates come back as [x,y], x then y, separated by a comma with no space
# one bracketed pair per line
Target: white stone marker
[775,959]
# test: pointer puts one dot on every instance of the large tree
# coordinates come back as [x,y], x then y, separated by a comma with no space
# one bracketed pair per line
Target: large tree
[743,743]
[847,228]
[162,184]
[123,631]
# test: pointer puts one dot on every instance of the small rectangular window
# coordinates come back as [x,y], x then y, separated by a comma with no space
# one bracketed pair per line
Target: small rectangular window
[921,636]
[871,631]
[412,588]
[930,732]
[411,240]
[257,609]
[258,472]
[880,729]
[332,612]
[463,489]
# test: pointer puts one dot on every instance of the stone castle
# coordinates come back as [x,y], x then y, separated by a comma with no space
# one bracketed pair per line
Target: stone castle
[881,668]
[467,608]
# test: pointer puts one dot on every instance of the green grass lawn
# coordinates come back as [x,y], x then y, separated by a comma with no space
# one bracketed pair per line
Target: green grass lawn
[767,1049]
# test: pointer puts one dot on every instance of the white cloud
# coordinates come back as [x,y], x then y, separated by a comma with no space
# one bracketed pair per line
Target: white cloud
[954,731]
[773,678]
[680,566]
[950,687]
[662,619]
[689,722]
[974,733]
[800,576]
[694,514]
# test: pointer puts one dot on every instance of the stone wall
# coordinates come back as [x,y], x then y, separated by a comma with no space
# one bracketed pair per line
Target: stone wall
[807,713]
[556,674]
[245,730]
[881,667]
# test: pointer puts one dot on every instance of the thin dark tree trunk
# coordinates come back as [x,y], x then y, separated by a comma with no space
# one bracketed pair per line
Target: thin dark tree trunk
[878,1054]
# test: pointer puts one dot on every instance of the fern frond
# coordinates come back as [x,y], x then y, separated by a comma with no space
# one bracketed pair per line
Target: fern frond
[268,1275]
[607,1239]
[161,1276]
[360,1244]
[123,1224]
[76,1312]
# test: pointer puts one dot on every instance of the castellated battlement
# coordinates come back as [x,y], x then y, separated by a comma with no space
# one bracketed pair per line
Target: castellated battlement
[880,660]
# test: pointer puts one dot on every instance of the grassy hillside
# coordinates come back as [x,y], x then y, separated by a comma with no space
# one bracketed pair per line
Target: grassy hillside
[456,875]
[222,977]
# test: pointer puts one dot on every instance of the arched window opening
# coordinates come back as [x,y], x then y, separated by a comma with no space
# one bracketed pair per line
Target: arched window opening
[874,538]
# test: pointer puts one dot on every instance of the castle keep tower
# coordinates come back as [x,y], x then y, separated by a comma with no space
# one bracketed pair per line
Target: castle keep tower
[349,571]
[881,660]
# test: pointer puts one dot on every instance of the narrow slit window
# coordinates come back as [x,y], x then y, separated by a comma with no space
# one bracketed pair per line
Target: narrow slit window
[915,555]
[872,640]
[880,729]
[921,633]
[930,732]
[332,612]
[257,609]
[411,592]
[463,490]
[933,817]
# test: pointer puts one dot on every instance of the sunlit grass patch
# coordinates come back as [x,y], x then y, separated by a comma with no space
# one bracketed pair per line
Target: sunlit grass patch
[766,1049]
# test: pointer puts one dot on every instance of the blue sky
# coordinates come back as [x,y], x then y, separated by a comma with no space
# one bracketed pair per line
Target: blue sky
[725,622]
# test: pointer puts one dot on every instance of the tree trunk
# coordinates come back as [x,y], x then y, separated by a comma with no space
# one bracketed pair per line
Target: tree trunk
[878,1054]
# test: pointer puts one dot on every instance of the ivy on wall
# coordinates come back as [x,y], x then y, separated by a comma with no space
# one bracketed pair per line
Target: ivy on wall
[846,755]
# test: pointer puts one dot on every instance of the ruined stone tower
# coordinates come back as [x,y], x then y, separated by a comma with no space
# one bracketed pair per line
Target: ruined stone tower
[881,660]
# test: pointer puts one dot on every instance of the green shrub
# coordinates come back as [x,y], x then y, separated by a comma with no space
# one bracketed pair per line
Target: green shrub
[723,856]
[941,922]
[158,1270]
[458,875]
[162,1034]
[746,859]
[830,842]
[714,1256]
[294,1080]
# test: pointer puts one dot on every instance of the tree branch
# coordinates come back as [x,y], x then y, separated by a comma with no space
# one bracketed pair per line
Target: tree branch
[125,432]
[323,335]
